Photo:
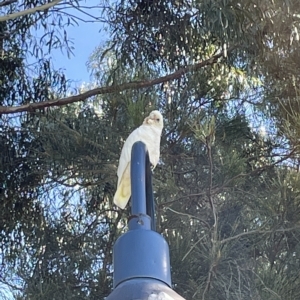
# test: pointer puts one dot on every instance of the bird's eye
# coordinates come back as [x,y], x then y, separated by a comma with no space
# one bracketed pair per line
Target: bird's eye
[157,120]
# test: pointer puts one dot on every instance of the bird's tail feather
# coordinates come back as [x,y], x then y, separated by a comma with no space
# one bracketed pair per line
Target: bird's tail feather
[120,200]
[123,192]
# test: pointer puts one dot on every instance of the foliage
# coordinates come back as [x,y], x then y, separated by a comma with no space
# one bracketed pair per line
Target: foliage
[227,191]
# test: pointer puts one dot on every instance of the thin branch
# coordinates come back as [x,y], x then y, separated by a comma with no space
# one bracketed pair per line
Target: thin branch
[7,2]
[193,248]
[188,215]
[80,19]
[214,236]
[29,11]
[10,285]
[112,89]
[210,186]
[258,232]
[266,288]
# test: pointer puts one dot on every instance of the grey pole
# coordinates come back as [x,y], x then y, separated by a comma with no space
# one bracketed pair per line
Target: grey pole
[141,255]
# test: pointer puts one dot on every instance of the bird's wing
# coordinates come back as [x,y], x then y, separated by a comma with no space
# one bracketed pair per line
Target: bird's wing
[139,134]
[151,138]
[123,192]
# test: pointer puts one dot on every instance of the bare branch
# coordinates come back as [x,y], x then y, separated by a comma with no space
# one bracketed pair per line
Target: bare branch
[214,235]
[113,88]
[7,2]
[188,215]
[29,11]
[185,256]
[94,20]
[258,232]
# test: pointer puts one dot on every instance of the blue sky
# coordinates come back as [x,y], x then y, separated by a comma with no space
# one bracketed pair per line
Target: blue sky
[85,37]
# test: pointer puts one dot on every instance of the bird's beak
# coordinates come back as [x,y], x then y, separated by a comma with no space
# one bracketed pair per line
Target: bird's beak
[148,120]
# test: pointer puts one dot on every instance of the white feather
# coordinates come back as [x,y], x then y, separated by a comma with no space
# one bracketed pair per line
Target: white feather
[149,133]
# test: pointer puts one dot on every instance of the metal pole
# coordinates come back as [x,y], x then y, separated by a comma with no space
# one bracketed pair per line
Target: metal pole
[141,255]
[150,206]
[138,182]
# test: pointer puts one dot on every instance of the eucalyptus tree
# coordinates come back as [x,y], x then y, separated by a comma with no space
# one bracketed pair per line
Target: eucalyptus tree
[226,60]
[226,192]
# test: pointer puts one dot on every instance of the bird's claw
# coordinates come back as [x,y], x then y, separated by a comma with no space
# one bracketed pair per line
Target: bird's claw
[151,167]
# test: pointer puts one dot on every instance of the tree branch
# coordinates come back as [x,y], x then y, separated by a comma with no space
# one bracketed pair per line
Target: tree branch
[214,235]
[258,232]
[7,2]
[29,11]
[111,89]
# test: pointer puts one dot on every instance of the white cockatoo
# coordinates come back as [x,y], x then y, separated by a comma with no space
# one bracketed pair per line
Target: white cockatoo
[149,133]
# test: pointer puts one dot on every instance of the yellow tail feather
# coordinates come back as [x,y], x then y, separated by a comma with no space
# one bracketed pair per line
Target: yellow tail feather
[123,192]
